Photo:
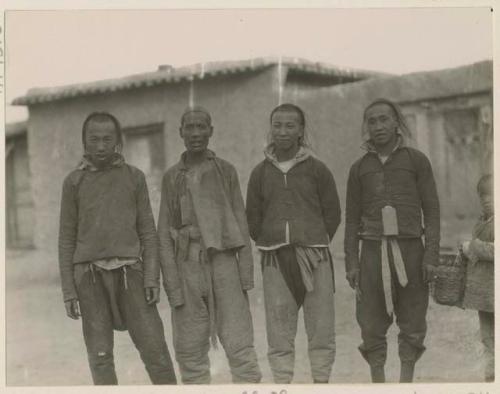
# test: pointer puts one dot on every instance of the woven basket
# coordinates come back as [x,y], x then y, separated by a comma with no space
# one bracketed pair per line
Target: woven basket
[449,281]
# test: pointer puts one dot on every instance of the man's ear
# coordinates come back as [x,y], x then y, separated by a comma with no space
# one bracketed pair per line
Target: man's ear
[211,131]
[180,132]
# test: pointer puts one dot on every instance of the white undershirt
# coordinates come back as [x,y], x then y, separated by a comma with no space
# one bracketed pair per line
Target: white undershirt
[286,165]
[383,159]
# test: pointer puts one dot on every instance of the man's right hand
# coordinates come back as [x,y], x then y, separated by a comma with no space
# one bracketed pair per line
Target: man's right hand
[72,309]
[352,277]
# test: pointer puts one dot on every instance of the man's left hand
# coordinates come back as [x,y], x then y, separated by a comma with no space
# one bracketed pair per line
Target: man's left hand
[152,295]
[429,273]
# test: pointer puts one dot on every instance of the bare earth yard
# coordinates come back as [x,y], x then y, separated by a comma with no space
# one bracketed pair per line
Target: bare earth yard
[45,348]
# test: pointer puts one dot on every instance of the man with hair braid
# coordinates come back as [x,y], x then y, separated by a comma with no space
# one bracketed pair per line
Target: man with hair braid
[293,212]
[108,254]
[206,257]
[389,190]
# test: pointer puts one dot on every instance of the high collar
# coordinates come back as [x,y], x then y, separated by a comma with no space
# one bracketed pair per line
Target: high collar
[370,147]
[86,163]
[301,155]
[209,155]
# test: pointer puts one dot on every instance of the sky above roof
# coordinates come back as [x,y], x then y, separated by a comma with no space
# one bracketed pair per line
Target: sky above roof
[51,48]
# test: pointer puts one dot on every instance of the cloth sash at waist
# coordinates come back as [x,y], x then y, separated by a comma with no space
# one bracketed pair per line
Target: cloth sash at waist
[189,246]
[399,267]
[182,238]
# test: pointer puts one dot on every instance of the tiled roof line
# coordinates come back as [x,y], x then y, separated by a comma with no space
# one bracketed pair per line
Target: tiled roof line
[168,74]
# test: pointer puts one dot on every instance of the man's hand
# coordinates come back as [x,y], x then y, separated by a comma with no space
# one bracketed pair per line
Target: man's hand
[352,277]
[72,309]
[428,273]
[152,295]
[465,248]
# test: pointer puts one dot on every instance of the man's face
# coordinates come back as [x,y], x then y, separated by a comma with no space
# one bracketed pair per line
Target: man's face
[382,125]
[286,130]
[196,131]
[100,142]
[486,199]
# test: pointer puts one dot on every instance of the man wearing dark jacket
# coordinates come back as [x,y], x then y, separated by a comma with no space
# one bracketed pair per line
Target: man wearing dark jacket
[206,257]
[293,212]
[389,190]
[108,255]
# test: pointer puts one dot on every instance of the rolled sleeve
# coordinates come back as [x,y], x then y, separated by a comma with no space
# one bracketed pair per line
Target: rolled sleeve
[168,265]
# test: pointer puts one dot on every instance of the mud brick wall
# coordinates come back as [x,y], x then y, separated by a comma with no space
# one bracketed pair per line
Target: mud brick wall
[334,122]
[239,106]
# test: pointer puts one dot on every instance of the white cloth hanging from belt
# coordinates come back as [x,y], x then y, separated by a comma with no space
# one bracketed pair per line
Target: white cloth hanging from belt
[390,226]
[399,267]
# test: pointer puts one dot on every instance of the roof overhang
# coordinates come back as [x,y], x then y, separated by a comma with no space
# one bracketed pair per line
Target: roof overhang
[168,74]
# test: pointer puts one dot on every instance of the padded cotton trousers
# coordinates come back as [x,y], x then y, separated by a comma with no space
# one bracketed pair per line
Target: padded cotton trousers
[281,321]
[191,321]
[100,290]
[410,303]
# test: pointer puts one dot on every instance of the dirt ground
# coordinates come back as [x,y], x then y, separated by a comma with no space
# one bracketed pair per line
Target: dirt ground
[45,348]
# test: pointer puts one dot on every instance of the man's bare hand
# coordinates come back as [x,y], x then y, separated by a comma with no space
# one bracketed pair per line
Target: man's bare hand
[352,277]
[465,248]
[152,295]
[72,309]
[428,273]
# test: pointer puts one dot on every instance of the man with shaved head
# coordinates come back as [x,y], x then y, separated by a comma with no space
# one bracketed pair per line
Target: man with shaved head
[391,205]
[206,257]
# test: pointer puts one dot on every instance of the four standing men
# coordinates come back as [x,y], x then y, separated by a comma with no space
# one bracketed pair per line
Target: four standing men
[110,262]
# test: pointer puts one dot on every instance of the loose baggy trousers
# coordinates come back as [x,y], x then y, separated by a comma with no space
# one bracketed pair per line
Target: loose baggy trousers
[282,314]
[191,321]
[410,303]
[115,299]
